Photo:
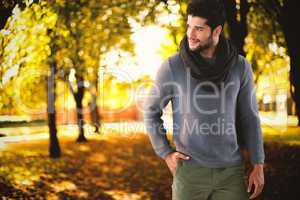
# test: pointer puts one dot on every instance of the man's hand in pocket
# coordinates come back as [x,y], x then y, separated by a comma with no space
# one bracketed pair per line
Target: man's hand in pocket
[172,160]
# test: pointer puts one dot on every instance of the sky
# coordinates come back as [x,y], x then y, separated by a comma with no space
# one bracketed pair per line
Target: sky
[148,41]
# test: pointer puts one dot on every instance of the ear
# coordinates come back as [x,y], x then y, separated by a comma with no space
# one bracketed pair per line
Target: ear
[217,31]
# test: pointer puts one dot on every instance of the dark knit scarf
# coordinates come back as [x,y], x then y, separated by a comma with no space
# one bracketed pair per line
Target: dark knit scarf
[226,56]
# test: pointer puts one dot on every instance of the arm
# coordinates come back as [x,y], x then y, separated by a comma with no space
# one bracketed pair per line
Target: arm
[248,124]
[248,121]
[159,96]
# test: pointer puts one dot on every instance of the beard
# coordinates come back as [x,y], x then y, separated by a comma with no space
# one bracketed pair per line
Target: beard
[202,47]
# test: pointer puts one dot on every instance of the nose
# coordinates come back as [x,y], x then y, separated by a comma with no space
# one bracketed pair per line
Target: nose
[190,33]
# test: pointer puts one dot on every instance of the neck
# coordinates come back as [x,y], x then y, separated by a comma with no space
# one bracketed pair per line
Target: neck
[209,52]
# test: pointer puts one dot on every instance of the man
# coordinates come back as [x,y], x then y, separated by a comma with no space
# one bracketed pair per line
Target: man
[214,107]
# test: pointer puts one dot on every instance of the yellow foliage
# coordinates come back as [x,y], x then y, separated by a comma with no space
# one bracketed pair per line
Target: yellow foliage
[26,50]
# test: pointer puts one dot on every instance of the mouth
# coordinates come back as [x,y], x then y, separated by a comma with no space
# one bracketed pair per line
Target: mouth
[193,41]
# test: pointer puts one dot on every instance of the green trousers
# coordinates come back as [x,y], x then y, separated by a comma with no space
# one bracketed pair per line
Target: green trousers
[192,182]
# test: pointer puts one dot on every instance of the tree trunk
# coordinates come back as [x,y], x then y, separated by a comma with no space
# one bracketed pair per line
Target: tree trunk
[5,14]
[237,29]
[54,149]
[288,20]
[79,108]
[94,113]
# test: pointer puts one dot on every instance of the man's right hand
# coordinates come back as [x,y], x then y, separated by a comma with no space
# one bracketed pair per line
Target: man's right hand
[172,160]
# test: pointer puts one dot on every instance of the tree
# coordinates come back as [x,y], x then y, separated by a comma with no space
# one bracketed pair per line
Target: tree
[54,148]
[237,22]
[94,29]
[6,8]
[23,52]
[285,12]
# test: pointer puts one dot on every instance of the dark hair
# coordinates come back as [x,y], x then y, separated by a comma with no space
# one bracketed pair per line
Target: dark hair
[212,10]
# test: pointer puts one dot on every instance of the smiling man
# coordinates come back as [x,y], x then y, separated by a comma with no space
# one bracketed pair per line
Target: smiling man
[214,107]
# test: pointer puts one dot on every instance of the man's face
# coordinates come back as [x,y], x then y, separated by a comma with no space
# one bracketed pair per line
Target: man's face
[199,34]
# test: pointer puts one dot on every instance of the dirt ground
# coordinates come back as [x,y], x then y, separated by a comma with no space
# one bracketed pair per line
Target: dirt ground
[119,167]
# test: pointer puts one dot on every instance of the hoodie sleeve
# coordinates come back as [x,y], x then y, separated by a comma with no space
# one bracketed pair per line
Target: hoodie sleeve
[158,97]
[248,121]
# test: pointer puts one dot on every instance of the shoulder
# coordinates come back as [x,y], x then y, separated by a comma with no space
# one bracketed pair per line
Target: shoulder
[165,71]
[175,64]
[246,72]
[243,61]
[168,65]
[174,60]
[244,66]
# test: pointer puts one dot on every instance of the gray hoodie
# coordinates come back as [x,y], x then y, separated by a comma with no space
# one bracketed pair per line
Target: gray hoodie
[208,125]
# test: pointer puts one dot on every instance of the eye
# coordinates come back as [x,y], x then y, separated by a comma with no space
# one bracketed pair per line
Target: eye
[199,28]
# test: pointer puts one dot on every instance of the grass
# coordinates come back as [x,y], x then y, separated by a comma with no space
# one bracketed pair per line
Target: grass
[118,166]
[289,135]
[107,167]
